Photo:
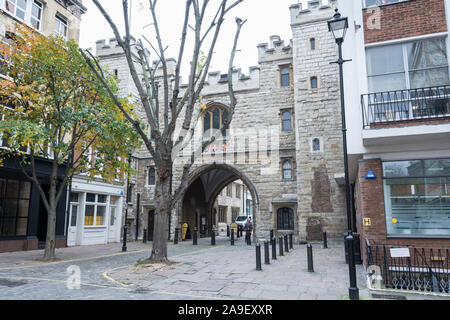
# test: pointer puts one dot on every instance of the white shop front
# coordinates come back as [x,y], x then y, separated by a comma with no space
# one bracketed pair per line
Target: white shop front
[95,213]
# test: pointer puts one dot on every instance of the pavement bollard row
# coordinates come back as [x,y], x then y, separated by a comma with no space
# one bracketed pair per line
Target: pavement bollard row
[194,237]
[274,248]
[258,257]
[175,239]
[266,252]
[310,258]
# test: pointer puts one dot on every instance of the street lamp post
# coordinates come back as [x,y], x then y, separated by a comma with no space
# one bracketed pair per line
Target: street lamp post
[338,26]
[125,227]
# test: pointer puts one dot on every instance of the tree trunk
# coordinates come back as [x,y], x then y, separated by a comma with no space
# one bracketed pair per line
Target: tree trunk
[161,226]
[50,242]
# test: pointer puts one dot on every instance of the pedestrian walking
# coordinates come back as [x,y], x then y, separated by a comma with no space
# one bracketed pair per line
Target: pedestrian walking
[248,228]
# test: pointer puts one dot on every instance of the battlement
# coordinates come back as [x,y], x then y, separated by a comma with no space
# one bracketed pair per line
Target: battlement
[218,83]
[112,47]
[276,51]
[316,10]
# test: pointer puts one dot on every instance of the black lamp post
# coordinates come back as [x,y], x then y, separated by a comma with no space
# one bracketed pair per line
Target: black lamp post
[338,26]
[125,227]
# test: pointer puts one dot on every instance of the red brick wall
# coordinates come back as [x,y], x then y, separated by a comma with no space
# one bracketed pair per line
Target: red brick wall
[370,204]
[406,19]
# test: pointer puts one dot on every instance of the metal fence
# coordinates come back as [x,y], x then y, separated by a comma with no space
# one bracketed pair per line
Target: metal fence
[410,268]
[405,105]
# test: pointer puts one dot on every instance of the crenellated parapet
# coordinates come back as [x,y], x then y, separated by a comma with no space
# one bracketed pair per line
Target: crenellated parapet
[217,83]
[112,47]
[276,50]
[316,10]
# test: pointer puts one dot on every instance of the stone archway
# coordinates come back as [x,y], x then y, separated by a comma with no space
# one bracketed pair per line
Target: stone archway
[205,183]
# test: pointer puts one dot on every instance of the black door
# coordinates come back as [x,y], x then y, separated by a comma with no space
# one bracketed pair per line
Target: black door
[151,224]
[43,218]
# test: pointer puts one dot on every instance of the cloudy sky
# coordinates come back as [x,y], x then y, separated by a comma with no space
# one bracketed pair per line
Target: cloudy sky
[264,18]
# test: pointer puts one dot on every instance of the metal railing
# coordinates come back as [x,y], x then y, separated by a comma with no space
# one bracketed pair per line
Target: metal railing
[405,105]
[417,269]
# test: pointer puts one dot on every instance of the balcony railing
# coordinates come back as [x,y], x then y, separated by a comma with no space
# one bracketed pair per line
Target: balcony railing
[384,108]
[414,269]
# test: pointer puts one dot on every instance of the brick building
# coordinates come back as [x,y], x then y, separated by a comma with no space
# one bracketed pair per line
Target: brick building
[398,111]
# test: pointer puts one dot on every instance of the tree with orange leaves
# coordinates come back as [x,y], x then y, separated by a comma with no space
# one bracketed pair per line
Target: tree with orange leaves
[54,107]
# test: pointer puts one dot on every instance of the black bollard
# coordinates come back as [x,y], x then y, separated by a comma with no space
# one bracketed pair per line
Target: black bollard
[175,238]
[144,237]
[258,257]
[274,248]
[310,258]
[291,242]
[228,231]
[271,235]
[281,246]
[194,237]
[232,237]
[247,237]
[266,252]
[286,246]
[125,231]
[213,237]
[240,231]
[325,240]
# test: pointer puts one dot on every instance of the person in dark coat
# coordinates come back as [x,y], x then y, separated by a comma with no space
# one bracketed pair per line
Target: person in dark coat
[248,227]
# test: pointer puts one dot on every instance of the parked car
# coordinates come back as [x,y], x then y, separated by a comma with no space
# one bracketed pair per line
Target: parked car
[240,221]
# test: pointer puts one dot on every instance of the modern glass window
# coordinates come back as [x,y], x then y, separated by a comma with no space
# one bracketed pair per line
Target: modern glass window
[151,176]
[287,170]
[285,219]
[410,65]
[14,207]
[286,121]
[372,3]
[285,76]
[95,210]
[61,27]
[417,197]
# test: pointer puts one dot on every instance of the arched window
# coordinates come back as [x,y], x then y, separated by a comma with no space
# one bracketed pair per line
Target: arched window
[285,219]
[312,44]
[316,144]
[287,170]
[286,118]
[314,83]
[213,119]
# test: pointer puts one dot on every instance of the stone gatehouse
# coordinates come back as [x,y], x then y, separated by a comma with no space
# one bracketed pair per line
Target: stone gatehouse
[284,143]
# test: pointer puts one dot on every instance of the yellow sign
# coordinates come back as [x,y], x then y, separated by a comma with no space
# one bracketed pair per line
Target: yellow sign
[367,222]
[394,220]
[184,231]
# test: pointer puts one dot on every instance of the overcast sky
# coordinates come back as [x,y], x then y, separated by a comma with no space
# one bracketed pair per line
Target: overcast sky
[264,18]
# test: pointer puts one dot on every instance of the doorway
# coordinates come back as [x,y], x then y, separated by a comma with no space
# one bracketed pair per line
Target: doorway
[43,219]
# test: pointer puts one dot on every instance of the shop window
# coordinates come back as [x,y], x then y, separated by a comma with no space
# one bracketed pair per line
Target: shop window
[417,197]
[285,219]
[286,121]
[14,207]
[95,210]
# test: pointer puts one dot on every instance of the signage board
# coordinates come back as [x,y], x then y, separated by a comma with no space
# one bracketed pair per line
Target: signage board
[400,253]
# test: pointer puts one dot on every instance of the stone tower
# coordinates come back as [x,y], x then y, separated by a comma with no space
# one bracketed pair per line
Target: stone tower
[321,193]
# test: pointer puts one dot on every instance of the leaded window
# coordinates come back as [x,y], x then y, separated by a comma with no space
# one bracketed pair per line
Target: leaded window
[285,76]
[286,121]
[287,170]
[151,176]
[214,119]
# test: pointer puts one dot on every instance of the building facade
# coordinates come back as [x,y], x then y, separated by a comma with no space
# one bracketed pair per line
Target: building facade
[284,142]
[23,217]
[398,114]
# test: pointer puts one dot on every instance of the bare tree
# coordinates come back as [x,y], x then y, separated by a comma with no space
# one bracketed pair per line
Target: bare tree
[177,106]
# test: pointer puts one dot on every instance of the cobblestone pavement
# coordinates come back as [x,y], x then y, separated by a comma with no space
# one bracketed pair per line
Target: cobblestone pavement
[198,272]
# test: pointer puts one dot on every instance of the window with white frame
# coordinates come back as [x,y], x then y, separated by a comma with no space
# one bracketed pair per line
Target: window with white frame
[95,210]
[36,15]
[61,27]
[27,11]
[17,8]
[409,65]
